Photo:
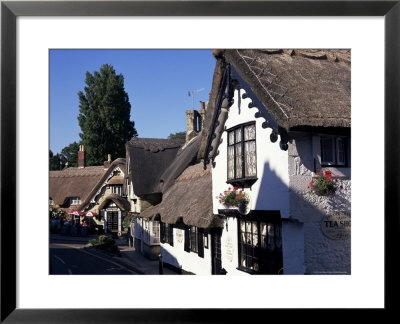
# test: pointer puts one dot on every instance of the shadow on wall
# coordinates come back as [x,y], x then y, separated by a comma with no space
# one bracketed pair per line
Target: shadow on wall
[171,262]
[314,239]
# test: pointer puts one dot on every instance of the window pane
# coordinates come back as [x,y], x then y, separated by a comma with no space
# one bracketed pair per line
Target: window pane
[340,151]
[255,265]
[239,160]
[250,132]
[278,236]
[263,228]
[254,228]
[327,150]
[271,239]
[231,138]
[250,165]
[231,162]
[243,260]
[238,135]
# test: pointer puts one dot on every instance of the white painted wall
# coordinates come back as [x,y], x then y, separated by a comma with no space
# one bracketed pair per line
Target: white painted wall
[229,248]
[270,191]
[189,261]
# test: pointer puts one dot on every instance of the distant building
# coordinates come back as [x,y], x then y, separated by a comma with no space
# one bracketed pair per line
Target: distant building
[147,159]
[98,189]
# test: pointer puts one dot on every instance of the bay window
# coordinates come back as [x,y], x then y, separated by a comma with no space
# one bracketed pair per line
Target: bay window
[260,246]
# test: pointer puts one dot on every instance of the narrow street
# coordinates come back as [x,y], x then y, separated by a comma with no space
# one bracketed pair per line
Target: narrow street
[70,258]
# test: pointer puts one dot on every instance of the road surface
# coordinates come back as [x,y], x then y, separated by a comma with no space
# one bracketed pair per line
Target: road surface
[67,258]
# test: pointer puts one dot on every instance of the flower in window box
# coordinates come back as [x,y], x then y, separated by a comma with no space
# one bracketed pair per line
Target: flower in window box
[324,184]
[234,197]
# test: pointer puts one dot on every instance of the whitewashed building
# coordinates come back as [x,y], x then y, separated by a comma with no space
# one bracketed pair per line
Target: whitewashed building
[185,213]
[276,117]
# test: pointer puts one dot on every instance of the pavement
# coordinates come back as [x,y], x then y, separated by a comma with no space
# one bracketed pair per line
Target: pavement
[130,258]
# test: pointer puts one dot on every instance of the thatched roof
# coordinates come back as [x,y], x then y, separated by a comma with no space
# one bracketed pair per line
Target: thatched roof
[79,182]
[189,200]
[299,88]
[151,212]
[185,156]
[149,158]
[122,203]
[116,180]
[74,182]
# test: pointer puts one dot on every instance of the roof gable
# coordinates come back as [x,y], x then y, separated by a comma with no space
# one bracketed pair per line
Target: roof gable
[80,182]
[148,159]
[291,89]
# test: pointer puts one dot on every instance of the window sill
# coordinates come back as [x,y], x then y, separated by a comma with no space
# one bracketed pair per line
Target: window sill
[242,183]
[253,272]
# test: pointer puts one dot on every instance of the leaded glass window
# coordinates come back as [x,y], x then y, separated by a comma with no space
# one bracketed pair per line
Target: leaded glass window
[242,159]
[260,246]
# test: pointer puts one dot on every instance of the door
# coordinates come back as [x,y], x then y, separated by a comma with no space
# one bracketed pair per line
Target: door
[216,263]
[112,221]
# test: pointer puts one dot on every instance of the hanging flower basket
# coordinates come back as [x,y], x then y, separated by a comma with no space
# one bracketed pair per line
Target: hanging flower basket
[324,184]
[234,198]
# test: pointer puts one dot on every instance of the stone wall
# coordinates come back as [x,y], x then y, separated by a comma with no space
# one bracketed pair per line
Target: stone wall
[322,255]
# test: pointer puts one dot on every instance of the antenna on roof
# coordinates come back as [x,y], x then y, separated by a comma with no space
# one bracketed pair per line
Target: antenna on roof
[191,93]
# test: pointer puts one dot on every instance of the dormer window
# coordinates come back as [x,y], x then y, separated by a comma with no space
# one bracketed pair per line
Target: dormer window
[51,202]
[333,151]
[74,201]
[242,162]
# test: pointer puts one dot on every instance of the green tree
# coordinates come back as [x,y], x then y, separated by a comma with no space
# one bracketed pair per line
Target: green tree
[56,162]
[177,135]
[70,154]
[104,115]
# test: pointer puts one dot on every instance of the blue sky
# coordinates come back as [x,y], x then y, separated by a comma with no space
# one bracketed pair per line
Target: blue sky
[157,83]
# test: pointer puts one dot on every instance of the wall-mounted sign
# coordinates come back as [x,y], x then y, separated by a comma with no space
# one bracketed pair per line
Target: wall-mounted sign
[229,249]
[337,225]
[179,235]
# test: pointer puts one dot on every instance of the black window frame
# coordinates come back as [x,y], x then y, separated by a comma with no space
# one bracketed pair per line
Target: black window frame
[243,181]
[166,233]
[193,239]
[268,262]
[346,151]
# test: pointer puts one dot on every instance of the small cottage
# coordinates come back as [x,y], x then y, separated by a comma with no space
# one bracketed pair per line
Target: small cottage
[96,189]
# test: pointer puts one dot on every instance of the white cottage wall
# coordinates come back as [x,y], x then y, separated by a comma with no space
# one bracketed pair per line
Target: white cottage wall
[229,248]
[189,261]
[270,191]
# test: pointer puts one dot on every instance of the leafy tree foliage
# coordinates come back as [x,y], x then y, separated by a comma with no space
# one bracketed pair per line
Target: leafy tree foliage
[177,135]
[56,162]
[70,154]
[104,115]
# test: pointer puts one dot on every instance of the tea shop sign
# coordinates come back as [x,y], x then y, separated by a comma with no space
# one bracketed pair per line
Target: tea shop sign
[337,225]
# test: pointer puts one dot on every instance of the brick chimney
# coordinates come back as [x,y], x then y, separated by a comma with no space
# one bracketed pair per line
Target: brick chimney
[194,121]
[108,162]
[81,156]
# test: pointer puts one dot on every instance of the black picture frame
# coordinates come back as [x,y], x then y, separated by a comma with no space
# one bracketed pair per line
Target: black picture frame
[10,10]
